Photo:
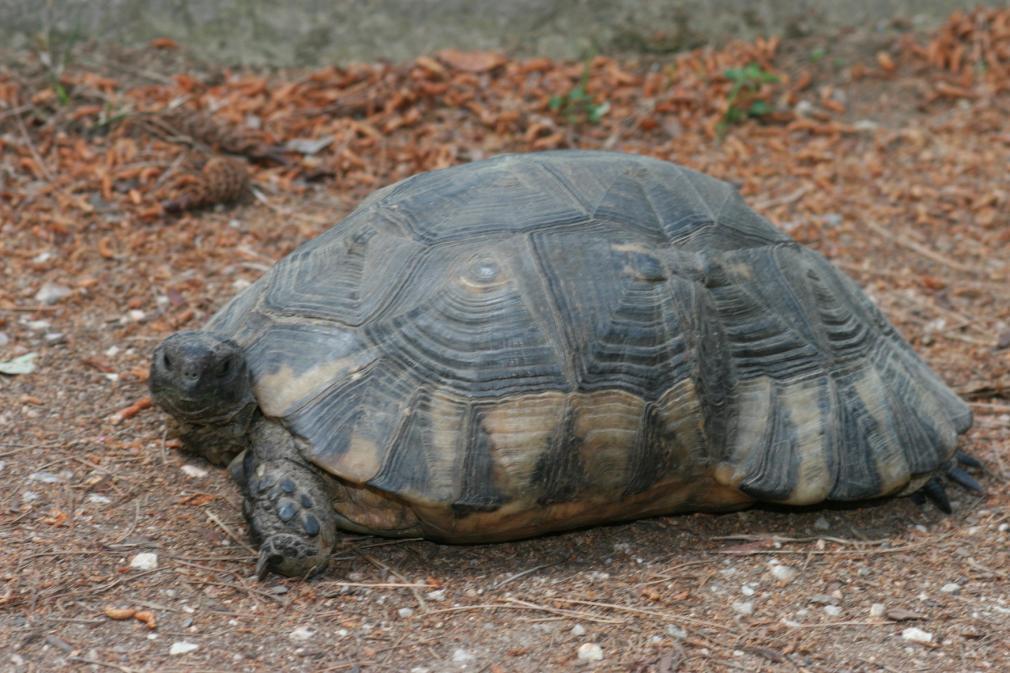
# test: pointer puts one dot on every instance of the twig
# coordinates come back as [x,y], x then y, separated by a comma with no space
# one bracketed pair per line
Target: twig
[517,575]
[107,664]
[133,526]
[649,613]
[853,552]
[230,533]
[522,605]
[417,594]
[31,148]
[788,199]
[990,407]
[928,253]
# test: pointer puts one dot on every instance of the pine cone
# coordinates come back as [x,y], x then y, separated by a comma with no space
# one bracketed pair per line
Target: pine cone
[222,180]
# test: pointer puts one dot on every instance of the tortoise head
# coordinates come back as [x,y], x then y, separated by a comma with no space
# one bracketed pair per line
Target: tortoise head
[203,381]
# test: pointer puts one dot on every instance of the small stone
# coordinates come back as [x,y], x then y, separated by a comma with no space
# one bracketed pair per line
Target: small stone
[182,647]
[461,656]
[917,635]
[832,610]
[822,599]
[301,633]
[590,652]
[50,293]
[783,573]
[676,632]
[902,615]
[821,523]
[578,630]
[744,607]
[136,315]
[145,561]
[45,477]
[53,338]
[877,610]
[436,595]
[951,588]
[194,471]
[405,612]
[1003,527]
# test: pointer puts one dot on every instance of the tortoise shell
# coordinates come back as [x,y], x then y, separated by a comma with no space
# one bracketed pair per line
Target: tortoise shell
[604,332]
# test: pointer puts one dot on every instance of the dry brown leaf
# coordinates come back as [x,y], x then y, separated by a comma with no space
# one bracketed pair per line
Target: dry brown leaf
[471,61]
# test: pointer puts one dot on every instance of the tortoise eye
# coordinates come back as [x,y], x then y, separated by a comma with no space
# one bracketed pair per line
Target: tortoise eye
[166,361]
[225,367]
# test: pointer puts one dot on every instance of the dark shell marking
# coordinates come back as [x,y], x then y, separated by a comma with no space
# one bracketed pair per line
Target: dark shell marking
[536,341]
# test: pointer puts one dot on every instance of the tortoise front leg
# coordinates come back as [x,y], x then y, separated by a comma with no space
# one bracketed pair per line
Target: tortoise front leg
[286,503]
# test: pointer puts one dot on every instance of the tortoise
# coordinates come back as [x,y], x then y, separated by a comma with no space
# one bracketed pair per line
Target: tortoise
[537,342]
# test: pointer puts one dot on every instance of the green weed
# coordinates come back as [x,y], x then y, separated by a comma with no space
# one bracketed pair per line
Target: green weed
[577,103]
[745,96]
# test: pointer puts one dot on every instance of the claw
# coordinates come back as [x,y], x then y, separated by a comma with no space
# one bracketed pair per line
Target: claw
[263,564]
[934,490]
[966,458]
[962,478]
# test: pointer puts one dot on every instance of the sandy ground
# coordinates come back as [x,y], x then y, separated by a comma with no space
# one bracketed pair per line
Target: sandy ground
[907,194]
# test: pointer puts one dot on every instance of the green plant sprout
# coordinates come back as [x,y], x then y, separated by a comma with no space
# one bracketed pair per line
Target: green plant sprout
[577,103]
[744,95]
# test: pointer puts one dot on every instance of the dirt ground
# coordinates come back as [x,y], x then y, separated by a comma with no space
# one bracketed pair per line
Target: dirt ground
[886,152]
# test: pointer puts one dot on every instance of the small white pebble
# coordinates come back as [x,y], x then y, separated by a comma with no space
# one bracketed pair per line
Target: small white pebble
[182,647]
[50,293]
[45,477]
[145,561]
[877,610]
[405,612]
[136,315]
[951,588]
[747,590]
[97,499]
[676,632]
[922,529]
[783,573]
[112,351]
[917,635]
[578,630]
[301,633]
[194,471]
[821,523]
[437,595]
[832,610]
[590,652]
[461,656]
[744,607]
[1003,527]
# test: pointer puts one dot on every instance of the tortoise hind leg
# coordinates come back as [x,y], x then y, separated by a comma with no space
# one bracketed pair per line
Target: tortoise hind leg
[934,491]
[287,505]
